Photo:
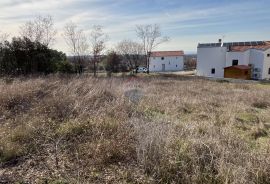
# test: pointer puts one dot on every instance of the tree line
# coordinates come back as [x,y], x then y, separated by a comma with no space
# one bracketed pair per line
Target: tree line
[22,56]
[31,52]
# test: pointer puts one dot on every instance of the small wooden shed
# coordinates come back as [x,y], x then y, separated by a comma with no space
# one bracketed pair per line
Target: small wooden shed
[238,72]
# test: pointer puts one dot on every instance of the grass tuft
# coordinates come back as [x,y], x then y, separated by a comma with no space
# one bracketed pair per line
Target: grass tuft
[154,129]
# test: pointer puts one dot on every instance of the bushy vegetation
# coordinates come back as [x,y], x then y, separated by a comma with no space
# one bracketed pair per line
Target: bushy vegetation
[133,130]
[22,56]
[114,63]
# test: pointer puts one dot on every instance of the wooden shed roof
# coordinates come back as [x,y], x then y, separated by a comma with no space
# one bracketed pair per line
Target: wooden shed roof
[240,67]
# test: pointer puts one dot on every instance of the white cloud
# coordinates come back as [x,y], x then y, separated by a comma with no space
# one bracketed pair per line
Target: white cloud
[120,25]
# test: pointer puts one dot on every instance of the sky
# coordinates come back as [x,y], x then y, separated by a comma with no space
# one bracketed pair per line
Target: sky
[187,23]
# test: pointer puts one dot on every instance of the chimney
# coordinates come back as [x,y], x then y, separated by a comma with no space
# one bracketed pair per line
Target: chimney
[221,42]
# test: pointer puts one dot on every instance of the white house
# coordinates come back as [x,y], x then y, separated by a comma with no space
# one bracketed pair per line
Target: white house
[214,57]
[162,61]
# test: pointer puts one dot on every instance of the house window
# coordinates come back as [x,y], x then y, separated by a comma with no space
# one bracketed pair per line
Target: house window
[268,55]
[176,66]
[154,66]
[169,62]
[246,72]
[269,71]
[213,71]
[162,58]
[235,62]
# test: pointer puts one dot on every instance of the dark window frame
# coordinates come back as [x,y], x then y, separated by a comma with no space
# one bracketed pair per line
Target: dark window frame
[162,58]
[213,71]
[268,55]
[269,71]
[235,62]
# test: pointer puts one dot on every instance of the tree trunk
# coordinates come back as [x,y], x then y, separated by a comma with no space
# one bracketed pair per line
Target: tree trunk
[95,69]
[147,61]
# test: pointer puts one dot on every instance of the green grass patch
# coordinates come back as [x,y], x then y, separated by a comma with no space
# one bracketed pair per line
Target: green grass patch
[153,112]
[248,118]
[71,129]
[10,152]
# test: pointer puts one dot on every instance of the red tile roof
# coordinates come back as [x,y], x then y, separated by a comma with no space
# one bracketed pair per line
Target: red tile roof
[241,67]
[245,48]
[167,53]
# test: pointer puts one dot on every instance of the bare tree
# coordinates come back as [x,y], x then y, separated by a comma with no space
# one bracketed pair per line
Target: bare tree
[41,29]
[150,36]
[77,43]
[97,42]
[3,37]
[131,51]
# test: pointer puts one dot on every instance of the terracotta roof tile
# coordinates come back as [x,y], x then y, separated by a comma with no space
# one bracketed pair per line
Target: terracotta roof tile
[167,53]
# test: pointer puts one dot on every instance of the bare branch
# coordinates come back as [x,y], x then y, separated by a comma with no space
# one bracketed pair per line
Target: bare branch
[97,42]
[3,37]
[77,43]
[41,29]
[76,39]
[131,51]
[150,36]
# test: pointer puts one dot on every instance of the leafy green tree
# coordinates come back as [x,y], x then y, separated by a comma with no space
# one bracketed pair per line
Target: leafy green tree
[113,62]
[22,56]
[65,67]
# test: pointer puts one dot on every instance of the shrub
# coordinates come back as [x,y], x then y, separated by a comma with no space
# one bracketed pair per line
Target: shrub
[113,63]
[21,56]
[65,67]
[261,104]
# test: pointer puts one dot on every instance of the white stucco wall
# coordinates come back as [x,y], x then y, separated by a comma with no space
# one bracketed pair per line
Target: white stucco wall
[172,63]
[257,60]
[208,58]
[219,58]
[266,65]
[242,57]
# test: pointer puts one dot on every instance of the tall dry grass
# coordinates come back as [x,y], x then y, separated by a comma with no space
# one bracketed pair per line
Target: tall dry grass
[133,130]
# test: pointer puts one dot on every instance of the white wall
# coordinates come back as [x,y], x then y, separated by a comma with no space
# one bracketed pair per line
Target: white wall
[242,57]
[257,60]
[172,63]
[266,65]
[219,58]
[208,58]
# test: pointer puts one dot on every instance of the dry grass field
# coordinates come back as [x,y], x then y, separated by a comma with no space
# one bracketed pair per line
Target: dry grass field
[133,130]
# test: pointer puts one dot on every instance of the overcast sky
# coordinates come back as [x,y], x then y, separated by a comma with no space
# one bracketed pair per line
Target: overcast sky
[187,23]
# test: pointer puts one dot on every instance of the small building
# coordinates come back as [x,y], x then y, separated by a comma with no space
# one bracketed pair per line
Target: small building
[238,72]
[213,58]
[164,61]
